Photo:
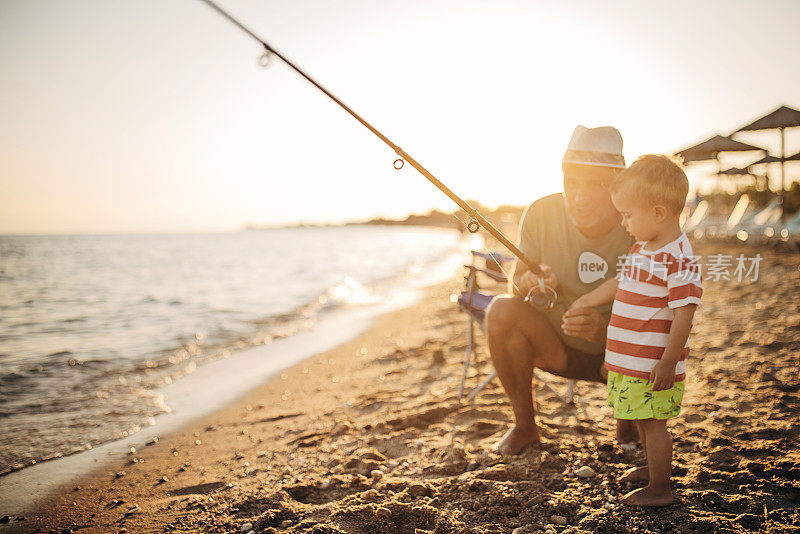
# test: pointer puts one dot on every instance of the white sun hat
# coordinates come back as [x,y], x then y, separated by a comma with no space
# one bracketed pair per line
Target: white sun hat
[601,146]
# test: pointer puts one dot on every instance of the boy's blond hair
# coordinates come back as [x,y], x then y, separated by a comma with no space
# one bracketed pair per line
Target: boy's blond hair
[656,179]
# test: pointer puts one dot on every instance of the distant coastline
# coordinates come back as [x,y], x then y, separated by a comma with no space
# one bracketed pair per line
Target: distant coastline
[501,216]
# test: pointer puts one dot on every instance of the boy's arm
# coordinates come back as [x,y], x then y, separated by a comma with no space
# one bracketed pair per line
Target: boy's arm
[598,296]
[663,374]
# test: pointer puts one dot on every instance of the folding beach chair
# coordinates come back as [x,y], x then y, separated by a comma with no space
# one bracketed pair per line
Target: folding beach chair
[474,303]
[790,232]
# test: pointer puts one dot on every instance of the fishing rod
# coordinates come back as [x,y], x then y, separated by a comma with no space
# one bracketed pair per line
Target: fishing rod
[542,297]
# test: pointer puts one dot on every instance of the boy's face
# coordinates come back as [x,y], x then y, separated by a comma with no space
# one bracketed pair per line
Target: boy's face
[638,218]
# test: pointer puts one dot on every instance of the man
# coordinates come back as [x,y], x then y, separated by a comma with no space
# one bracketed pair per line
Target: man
[577,239]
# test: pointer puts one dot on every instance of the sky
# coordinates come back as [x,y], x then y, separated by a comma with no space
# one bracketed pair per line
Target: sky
[153,116]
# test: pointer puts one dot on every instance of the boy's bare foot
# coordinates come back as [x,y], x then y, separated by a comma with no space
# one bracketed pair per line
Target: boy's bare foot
[635,474]
[517,439]
[647,497]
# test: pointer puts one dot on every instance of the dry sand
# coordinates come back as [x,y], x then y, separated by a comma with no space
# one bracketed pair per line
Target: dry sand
[370,438]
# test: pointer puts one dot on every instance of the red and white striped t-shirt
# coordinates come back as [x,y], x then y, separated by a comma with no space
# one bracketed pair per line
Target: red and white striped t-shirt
[651,285]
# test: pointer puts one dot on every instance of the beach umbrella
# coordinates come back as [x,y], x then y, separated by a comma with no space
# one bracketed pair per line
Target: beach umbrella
[736,171]
[711,148]
[780,119]
[783,117]
[766,159]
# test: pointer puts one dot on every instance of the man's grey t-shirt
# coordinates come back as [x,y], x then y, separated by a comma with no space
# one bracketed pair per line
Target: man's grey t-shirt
[548,235]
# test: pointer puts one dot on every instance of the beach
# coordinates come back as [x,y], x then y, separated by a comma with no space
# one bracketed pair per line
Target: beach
[369,437]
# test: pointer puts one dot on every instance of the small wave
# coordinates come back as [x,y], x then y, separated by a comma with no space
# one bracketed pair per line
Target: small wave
[58,330]
[12,377]
[96,363]
[22,325]
[152,364]
[74,319]
[349,292]
[59,353]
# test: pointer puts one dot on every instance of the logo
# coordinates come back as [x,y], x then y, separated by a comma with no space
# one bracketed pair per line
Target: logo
[591,267]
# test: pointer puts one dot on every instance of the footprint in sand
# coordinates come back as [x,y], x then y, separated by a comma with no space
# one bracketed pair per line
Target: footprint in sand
[483,428]
[694,418]
[469,413]
[421,419]
[197,489]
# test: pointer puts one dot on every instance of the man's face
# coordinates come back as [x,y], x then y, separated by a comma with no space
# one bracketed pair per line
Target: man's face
[587,196]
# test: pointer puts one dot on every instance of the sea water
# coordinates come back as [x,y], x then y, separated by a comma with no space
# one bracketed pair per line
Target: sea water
[93,327]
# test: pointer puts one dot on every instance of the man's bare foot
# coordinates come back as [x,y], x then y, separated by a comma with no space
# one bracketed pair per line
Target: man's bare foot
[517,439]
[647,497]
[635,474]
[626,431]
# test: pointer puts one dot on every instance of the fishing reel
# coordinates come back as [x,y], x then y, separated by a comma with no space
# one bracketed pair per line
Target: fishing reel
[542,297]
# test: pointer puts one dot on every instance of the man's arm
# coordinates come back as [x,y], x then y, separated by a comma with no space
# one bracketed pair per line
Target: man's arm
[582,318]
[522,279]
[663,374]
[586,323]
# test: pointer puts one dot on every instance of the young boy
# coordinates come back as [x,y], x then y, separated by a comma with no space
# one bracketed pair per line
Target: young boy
[655,297]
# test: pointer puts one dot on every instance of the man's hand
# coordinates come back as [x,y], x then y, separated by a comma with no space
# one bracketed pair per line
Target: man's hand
[586,323]
[662,376]
[581,302]
[529,280]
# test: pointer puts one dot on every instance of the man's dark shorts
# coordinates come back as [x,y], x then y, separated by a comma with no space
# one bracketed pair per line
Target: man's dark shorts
[583,366]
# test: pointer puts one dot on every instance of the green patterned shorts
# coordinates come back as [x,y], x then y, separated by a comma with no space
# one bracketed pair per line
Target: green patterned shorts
[634,398]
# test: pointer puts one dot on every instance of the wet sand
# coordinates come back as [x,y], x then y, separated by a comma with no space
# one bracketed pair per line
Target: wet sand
[370,438]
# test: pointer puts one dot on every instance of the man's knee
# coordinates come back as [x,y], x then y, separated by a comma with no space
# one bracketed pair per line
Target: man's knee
[501,314]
